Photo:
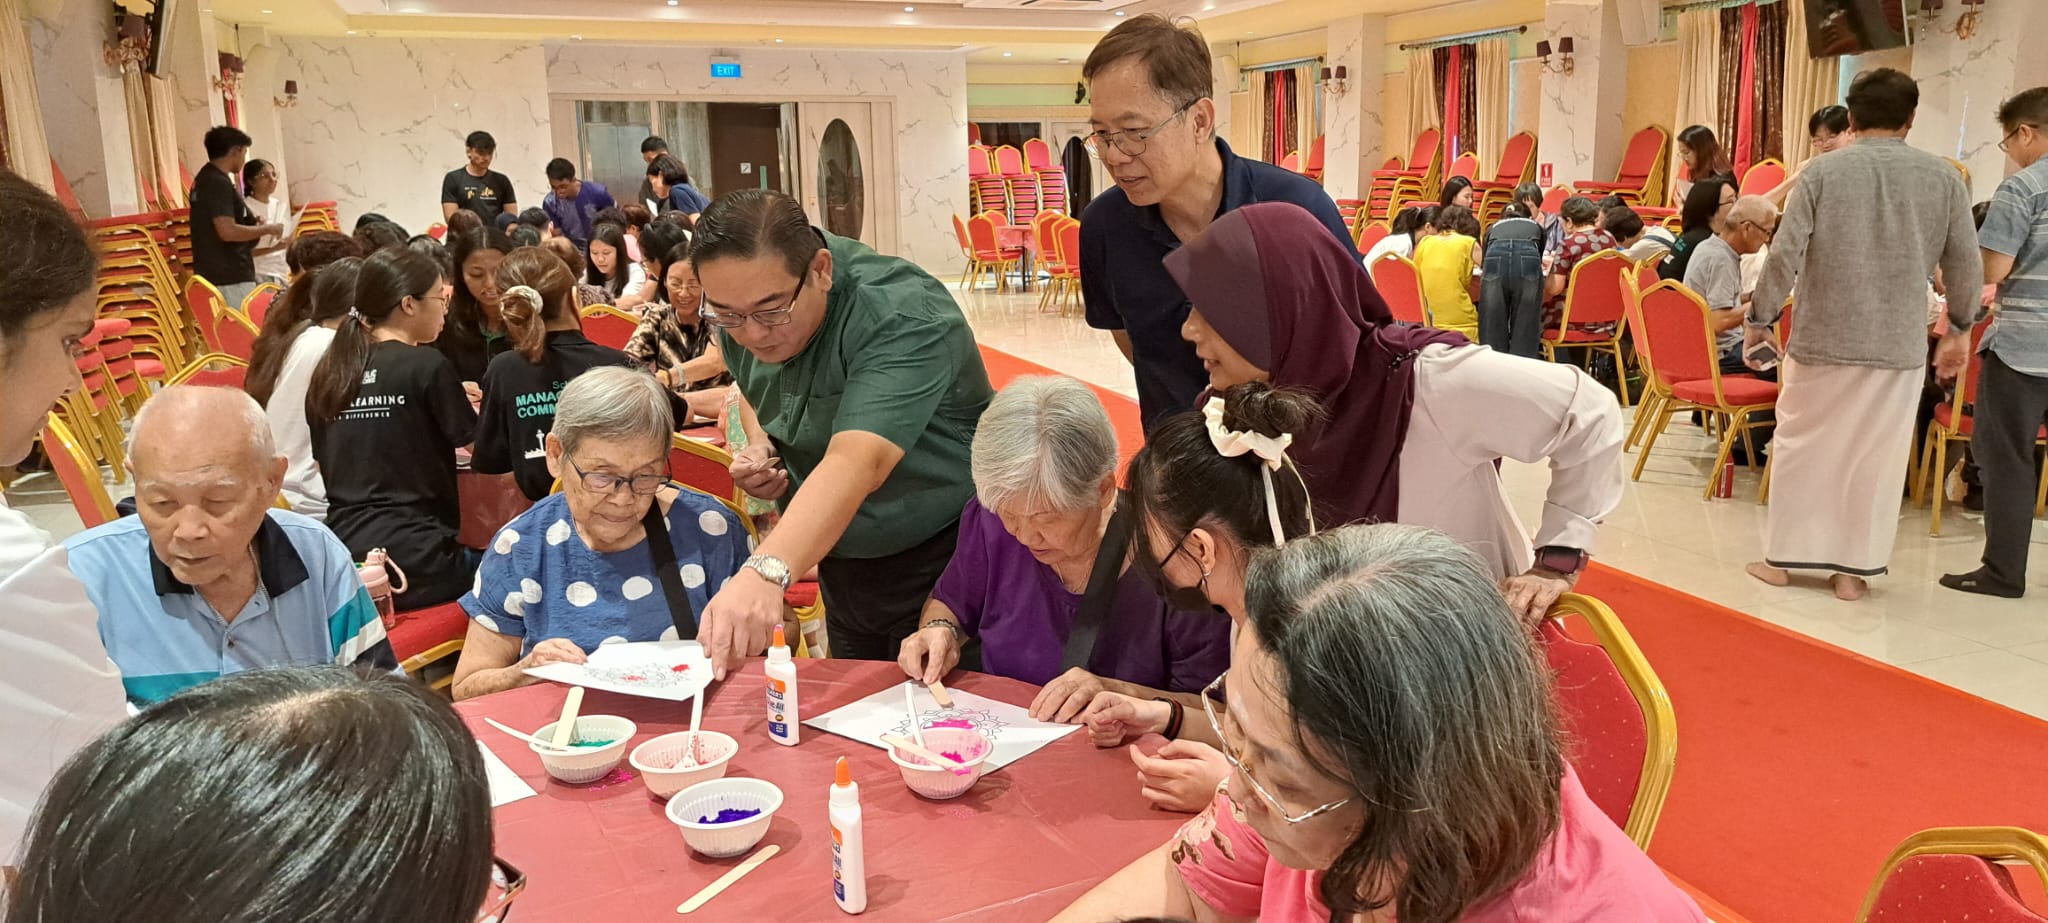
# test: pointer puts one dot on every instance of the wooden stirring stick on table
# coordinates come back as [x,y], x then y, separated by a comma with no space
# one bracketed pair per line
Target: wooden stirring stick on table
[726,881]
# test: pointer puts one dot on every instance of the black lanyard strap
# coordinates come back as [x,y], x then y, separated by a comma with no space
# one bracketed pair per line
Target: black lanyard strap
[665,570]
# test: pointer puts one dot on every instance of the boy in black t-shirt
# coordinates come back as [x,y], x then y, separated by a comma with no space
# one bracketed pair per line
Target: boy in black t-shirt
[476,186]
[224,231]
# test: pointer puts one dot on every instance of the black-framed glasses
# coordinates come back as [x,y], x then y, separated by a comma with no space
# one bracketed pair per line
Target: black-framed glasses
[641,485]
[773,317]
[506,884]
[1131,142]
[1769,233]
[2004,144]
[1242,766]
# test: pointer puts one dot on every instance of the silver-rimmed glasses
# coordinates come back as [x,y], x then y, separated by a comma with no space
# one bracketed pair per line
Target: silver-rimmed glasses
[1237,761]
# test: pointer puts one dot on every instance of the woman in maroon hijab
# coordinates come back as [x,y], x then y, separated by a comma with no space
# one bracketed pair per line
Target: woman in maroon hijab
[1418,418]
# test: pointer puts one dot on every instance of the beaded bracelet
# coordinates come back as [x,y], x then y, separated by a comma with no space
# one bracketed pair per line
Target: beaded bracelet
[1173,723]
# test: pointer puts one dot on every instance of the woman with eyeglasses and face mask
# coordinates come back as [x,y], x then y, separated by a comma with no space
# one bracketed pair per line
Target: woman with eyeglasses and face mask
[1394,752]
[1828,129]
[618,554]
[1204,495]
[324,794]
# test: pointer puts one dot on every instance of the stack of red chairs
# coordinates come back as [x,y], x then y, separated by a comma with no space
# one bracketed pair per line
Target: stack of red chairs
[1640,179]
[1418,180]
[1517,166]
[985,186]
[1052,178]
[1021,184]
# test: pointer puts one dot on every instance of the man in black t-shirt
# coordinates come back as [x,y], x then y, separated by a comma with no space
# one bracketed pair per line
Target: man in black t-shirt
[224,231]
[476,186]
[650,149]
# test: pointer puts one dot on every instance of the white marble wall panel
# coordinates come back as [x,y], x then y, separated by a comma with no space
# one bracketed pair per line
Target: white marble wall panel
[1963,81]
[1224,78]
[1580,125]
[381,121]
[928,91]
[1353,125]
[84,114]
[193,54]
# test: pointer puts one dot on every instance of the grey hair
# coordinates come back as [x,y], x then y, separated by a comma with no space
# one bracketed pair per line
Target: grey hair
[613,402]
[1044,443]
[1411,683]
[209,402]
[1754,208]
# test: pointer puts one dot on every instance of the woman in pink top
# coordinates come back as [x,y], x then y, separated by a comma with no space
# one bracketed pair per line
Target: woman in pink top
[1395,756]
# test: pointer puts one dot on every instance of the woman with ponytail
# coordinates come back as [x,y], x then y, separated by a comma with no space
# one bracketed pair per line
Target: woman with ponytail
[537,299]
[387,414]
[279,380]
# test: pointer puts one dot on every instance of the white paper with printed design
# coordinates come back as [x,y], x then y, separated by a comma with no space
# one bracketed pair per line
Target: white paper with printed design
[1012,729]
[671,670]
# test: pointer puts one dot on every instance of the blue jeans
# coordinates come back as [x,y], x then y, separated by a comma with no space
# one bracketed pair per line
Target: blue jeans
[1511,297]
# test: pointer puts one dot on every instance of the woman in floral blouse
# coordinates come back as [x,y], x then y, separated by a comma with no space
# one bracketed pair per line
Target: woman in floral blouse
[672,338]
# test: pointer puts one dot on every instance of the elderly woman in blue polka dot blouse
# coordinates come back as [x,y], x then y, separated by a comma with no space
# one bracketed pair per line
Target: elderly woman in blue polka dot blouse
[577,570]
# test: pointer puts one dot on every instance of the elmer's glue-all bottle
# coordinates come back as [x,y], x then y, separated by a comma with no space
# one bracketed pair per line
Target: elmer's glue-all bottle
[849,865]
[782,713]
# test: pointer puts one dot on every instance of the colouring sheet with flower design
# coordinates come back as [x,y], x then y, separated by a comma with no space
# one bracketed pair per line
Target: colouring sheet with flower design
[1011,727]
[672,670]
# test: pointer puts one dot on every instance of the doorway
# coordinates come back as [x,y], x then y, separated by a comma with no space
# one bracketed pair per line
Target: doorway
[746,146]
[846,180]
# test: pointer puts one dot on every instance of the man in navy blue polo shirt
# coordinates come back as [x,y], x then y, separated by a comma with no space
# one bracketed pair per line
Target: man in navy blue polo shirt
[1155,132]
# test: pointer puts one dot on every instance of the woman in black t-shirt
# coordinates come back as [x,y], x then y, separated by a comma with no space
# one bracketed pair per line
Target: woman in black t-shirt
[474,332]
[387,414]
[537,301]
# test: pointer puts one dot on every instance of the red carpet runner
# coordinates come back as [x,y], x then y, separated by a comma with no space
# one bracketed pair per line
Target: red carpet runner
[1800,765]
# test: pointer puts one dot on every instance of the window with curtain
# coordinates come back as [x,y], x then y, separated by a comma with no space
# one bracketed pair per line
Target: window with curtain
[1282,115]
[1456,72]
[1750,114]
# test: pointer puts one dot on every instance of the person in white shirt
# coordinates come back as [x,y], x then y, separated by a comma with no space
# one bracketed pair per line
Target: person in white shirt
[58,689]
[259,189]
[1412,224]
[279,383]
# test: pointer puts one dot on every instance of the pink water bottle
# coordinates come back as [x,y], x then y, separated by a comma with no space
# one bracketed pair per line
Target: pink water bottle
[377,572]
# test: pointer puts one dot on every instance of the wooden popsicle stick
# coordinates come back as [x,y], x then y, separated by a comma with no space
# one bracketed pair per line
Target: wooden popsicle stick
[565,726]
[939,693]
[726,880]
[938,760]
[529,738]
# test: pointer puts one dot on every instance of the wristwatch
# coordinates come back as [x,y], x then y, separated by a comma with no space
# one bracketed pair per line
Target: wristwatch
[770,567]
[1560,559]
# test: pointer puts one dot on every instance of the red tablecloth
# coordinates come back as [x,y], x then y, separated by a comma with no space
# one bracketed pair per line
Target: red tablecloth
[1019,237]
[1026,842]
[489,501]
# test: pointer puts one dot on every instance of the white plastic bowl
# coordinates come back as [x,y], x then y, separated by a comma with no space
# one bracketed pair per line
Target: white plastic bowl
[706,799]
[655,761]
[941,783]
[584,765]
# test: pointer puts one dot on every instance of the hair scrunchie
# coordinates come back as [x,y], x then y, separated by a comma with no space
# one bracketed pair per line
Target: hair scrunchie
[1271,451]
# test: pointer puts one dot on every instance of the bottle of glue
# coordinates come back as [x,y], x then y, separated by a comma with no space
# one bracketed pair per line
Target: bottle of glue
[849,865]
[782,705]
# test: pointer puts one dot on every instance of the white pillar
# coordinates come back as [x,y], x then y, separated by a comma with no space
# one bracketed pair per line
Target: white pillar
[1963,81]
[262,87]
[193,53]
[1353,126]
[1579,134]
[1223,82]
[85,115]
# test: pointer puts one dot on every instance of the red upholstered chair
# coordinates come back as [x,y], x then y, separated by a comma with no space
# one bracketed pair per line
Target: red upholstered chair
[1553,199]
[1370,234]
[1065,285]
[705,467]
[1953,423]
[258,303]
[425,636]
[1640,179]
[1596,295]
[1291,162]
[234,335]
[1654,389]
[1467,166]
[985,185]
[1762,177]
[608,326]
[1678,327]
[212,369]
[966,248]
[1615,710]
[1009,161]
[1038,156]
[1416,178]
[1395,277]
[437,230]
[1517,166]
[206,306]
[1313,168]
[1957,874]
[988,253]
[79,474]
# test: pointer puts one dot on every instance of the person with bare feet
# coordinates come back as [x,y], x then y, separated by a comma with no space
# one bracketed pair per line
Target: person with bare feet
[1860,235]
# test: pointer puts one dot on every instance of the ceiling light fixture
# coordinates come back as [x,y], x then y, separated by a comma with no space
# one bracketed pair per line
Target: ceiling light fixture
[1066,60]
[351,31]
[910,9]
[1119,12]
[266,12]
[675,2]
[1006,54]
[778,41]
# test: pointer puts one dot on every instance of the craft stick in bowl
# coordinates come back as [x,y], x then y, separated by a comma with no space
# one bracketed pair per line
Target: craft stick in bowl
[940,760]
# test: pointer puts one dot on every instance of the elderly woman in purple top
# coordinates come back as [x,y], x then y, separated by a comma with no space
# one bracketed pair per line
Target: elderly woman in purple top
[1042,578]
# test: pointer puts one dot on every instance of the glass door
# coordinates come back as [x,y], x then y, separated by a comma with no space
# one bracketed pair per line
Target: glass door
[843,171]
[610,134]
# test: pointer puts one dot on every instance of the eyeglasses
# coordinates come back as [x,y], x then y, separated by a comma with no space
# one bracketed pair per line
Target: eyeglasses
[641,485]
[1237,760]
[1131,143]
[773,317]
[1769,233]
[506,883]
[2004,144]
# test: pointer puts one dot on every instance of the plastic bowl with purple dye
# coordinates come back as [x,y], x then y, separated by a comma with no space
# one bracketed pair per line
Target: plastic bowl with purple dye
[940,783]
[730,796]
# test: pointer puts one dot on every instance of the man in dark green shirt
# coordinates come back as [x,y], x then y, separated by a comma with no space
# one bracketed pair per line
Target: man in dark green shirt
[861,386]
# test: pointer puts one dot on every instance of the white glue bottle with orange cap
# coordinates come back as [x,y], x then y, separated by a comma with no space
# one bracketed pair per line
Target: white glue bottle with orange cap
[782,705]
[849,862]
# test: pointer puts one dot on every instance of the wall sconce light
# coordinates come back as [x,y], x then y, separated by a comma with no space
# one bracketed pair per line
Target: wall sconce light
[230,80]
[290,97]
[1564,54]
[1335,83]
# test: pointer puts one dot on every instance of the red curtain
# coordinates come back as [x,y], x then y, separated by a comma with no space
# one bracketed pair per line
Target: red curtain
[1468,99]
[1767,135]
[1453,94]
[1281,116]
[1742,150]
